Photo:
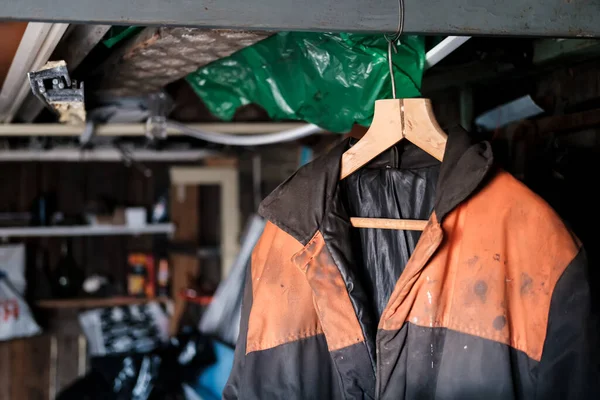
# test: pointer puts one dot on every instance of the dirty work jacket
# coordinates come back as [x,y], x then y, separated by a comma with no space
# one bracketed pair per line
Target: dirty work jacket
[491,301]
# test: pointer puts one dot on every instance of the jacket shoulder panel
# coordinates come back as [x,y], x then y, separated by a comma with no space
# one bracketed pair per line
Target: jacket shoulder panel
[330,294]
[495,272]
[522,248]
[282,309]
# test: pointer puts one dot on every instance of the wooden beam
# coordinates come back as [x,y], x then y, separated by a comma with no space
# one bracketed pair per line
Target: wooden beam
[241,128]
[184,212]
[554,18]
[547,54]
[11,33]
[97,303]
[558,123]
[227,178]
[568,122]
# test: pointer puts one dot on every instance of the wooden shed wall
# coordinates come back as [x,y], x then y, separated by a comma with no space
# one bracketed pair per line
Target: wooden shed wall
[38,368]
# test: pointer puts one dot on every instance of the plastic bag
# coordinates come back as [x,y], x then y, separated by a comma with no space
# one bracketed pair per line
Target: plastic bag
[136,328]
[212,381]
[15,316]
[117,34]
[12,263]
[134,377]
[222,317]
[158,375]
[331,80]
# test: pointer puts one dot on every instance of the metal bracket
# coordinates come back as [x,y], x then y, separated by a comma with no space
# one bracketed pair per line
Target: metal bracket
[53,86]
[159,106]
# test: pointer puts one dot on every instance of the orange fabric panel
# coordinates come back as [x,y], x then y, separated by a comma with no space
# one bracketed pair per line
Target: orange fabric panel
[282,307]
[428,243]
[331,298]
[494,274]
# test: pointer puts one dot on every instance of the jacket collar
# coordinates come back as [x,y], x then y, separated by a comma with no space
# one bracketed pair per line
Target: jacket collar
[299,205]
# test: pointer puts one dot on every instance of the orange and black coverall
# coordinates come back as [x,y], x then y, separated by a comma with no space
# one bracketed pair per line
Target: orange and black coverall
[491,301]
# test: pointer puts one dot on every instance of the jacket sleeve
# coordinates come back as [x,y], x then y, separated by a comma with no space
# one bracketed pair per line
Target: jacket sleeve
[569,366]
[232,388]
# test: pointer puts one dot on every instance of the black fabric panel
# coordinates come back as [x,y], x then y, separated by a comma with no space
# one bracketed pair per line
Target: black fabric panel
[232,387]
[569,365]
[388,193]
[354,366]
[336,231]
[345,243]
[464,168]
[437,363]
[298,370]
[298,205]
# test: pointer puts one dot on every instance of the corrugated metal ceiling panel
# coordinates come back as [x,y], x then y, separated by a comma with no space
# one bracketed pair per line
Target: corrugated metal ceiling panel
[159,56]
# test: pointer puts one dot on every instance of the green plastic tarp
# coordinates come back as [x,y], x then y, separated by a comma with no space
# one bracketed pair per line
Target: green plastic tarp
[331,80]
[116,34]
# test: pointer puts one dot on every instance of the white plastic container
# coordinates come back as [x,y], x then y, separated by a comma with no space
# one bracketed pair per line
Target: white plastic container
[135,217]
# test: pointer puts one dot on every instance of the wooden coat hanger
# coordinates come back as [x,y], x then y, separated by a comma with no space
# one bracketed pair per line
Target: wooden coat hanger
[394,120]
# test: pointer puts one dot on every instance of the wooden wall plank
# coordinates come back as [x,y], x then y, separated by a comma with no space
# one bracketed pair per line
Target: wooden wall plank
[17,369]
[11,32]
[185,201]
[66,331]
[210,214]
[185,269]
[29,375]
[5,370]
[185,215]
[10,184]
[37,375]
[26,369]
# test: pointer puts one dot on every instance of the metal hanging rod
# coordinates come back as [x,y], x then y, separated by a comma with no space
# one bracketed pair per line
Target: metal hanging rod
[55,129]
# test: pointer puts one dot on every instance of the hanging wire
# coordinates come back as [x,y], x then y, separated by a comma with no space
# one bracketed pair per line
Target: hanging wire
[391,67]
[392,39]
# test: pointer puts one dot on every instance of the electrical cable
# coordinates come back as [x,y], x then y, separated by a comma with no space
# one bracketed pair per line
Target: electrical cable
[247,140]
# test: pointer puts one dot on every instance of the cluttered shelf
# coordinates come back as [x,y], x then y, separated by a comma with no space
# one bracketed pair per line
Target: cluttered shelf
[95,230]
[97,303]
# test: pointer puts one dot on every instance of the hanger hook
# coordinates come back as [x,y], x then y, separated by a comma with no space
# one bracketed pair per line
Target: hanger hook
[391,67]
[392,39]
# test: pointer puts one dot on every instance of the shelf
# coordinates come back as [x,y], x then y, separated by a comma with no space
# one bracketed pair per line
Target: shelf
[97,303]
[96,230]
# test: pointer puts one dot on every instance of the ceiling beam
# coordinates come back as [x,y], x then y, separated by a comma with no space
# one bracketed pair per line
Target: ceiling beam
[555,18]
